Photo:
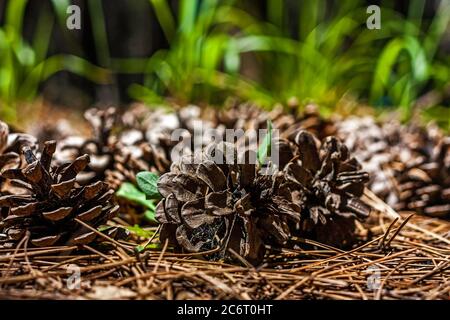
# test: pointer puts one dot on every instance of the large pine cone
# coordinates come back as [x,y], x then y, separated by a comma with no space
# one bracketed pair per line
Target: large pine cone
[329,184]
[53,202]
[208,206]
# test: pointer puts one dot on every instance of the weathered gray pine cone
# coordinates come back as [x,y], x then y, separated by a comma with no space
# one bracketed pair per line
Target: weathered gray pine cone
[374,146]
[409,165]
[209,206]
[53,202]
[329,184]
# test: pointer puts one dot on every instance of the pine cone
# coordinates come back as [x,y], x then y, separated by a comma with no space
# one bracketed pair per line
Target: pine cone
[99,147]
[374,146]
[181,132]
[248,116]
[243,116]
[409,165]
[329,184]
[54,201]
[10,155]
[136,117]
[423,182]
[227,206]
[311,121]
[133,155]
[114,159]
[154,126]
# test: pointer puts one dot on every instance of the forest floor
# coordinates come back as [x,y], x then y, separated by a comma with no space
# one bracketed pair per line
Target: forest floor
[396,256]
[407,257]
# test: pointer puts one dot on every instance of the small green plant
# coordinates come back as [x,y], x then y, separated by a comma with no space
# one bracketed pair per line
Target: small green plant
[146,194]
[147,182]
[130,192]
[317,60]
[146,234]
[409,62]
[202,63]
[332,54]
[24,66]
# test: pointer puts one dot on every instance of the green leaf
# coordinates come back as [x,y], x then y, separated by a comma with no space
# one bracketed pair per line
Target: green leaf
[56,63]
[150,97]
[99,32]
[130,192]
[60,7]
[150,215]
[188,10]
[147,181]
[265,148]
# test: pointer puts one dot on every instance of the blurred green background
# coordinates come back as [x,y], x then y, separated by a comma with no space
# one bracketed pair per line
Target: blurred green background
[165,52]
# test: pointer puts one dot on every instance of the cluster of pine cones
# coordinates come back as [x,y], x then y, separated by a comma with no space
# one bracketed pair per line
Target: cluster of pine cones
[60,193]
[235,206]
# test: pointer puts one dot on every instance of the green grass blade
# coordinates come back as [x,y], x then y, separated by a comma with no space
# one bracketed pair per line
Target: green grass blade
[43,35]
[60,7]
[14,15]
[415,12]
[165,18]
[438,28]
[264,150]
[131,192]
[275,12]
[188,11]
[99,30]
[387,60]
[146,95]
[57,63]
